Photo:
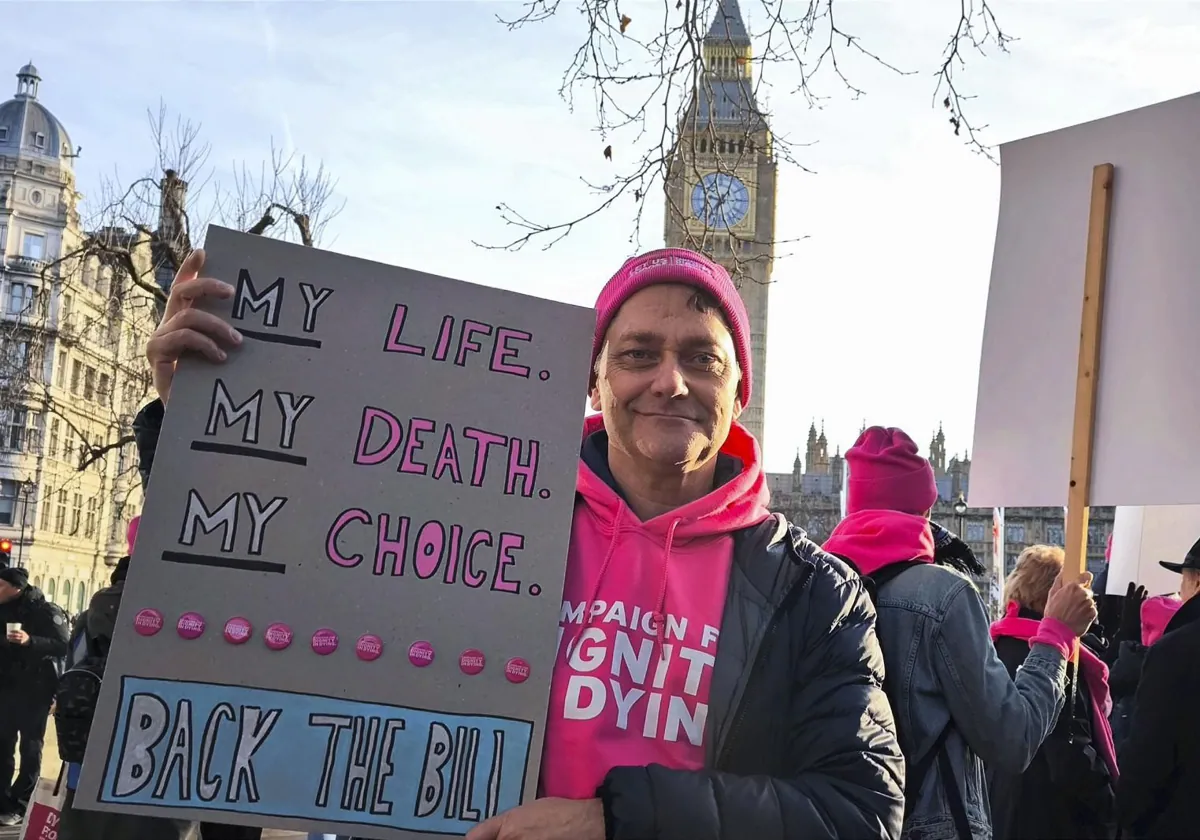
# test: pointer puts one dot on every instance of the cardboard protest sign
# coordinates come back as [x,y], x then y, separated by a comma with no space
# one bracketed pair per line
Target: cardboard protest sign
[1144,448]
[1143,536]
[342,611]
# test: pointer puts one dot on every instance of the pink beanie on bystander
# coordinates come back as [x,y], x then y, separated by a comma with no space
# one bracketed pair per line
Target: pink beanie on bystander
[887,472]
[688,268]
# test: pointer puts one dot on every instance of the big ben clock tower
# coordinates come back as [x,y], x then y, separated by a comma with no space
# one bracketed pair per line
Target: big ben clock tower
[721,188]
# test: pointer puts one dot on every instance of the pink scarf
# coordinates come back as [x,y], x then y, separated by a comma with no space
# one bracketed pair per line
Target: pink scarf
[1095,674]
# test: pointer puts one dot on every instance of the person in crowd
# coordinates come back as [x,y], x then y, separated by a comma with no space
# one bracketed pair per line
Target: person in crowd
[1068,790]
[99,624]
[780,726]
[1144,619]
[35,638]
[1160,760]
[956,706]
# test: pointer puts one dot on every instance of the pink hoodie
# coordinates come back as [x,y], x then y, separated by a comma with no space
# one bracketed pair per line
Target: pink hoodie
[1157,613]
[630,689]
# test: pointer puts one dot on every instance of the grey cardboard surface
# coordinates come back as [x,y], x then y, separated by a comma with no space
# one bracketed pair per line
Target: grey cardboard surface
[367,402]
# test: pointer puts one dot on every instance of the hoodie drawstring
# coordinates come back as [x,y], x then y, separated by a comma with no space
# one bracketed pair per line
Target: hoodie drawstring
[659,616]
[660,608]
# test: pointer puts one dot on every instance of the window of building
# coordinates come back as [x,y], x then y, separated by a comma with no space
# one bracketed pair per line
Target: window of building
[76,376]
[51,589]
[1016,534]
[89,383]
[55,429]
[1054,535]
[60,512]
[15,422]
[3,132]
[81,598]
[33,246]
[20,298]
[1009,563]
[46,508]
[117,527]
[103,389]
[89,522]
[8,501]
[60,372]
[66,593]
[976,532]
[39,140]
[76,513]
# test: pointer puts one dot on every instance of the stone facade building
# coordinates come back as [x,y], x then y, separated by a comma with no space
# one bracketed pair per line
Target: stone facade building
[72,369]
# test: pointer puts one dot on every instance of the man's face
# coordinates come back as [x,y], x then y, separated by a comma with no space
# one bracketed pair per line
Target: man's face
[8,592]
[667,379]
[1190,584]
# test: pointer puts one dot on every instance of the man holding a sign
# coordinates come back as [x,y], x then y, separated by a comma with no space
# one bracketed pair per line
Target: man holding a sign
[655,730]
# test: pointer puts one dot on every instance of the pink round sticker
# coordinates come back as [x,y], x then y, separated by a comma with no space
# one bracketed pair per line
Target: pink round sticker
[369,647]
[147,622]
[190,625]
[420,654]
[324,641]
[471,661]
[237,631]
[278,636]
[516,670]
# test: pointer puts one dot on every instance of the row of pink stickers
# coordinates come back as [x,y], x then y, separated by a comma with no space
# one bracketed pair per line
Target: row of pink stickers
[278,636]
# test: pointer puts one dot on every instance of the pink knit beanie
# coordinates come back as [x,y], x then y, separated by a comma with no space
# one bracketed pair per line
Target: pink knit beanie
[888,473]
[677,265]
[131,531]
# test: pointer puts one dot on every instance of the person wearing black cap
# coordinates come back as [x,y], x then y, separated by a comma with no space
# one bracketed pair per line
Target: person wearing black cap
[1160,763]
[36,634]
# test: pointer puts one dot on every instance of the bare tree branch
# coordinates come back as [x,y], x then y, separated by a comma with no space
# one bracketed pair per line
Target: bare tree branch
[73,330]
[644,78]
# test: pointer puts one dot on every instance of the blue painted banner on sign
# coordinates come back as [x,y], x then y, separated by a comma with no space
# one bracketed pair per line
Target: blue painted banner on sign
[274,753]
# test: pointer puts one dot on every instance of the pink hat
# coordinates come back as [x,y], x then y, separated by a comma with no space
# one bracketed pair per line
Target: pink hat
[677,265]
[888,473]
[131,531]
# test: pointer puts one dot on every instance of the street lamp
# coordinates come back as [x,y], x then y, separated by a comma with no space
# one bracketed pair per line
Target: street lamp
[960,509]
[27,489]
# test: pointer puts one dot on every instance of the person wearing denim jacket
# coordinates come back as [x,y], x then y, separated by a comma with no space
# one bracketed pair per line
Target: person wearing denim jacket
[956,707]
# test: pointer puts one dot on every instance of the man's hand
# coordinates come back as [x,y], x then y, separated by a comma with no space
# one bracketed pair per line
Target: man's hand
[18,637]
[184,328]
[545,819]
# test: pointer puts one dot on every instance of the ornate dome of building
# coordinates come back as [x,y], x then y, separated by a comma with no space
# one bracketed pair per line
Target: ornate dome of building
[27,127]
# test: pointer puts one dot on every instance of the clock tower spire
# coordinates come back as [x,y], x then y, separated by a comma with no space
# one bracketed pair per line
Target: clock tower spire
[721,184]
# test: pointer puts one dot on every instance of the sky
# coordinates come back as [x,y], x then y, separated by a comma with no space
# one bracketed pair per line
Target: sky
[430,114]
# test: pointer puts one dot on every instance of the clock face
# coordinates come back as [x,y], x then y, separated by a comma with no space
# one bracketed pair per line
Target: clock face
[720,200]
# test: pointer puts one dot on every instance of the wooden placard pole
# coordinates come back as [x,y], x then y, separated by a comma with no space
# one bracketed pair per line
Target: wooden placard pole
[1095,273]
[1083,434]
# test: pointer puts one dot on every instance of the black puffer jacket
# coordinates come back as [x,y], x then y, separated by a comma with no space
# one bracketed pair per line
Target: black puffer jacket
[32,667]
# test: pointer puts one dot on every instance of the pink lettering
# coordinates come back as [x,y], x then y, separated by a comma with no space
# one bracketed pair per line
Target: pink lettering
[431,541]
[396,548]
[416,427]
[447,457]
[331,548]
[443,340]
[527,471]
[393,343]
[503,356]
[508,544]
[395,435]
[467,342]
[470,577]
[483,443]
[456,532]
